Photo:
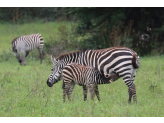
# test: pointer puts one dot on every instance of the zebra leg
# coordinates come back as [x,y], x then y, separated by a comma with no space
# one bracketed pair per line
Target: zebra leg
[132,90]
[91,89]
[64,94]
[64,91]
[85,89]
[41,57]
[69,92]
[23,58]
[40,49]
[66,85]
[97,92]
[27,52]
[130,95]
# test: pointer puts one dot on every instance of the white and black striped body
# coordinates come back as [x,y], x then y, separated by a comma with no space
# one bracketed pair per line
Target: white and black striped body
[74,73]
[25,44]
[123,61]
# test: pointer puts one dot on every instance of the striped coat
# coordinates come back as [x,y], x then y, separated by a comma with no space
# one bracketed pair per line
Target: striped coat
[74,73]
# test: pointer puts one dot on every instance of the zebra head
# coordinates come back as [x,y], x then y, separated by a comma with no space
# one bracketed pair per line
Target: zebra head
[56,71]
[16,54]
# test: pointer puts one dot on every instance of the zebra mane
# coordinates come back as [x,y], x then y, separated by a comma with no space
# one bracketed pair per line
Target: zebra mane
[78,52]
[14,40]
[73,53]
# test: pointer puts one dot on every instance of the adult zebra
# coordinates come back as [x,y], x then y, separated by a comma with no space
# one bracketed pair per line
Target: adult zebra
[27,43]
[74,73]
[122,60]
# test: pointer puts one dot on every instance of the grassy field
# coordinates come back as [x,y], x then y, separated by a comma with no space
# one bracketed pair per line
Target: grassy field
[24,92]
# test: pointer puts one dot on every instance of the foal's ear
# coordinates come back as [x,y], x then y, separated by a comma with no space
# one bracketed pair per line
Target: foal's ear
[53,59]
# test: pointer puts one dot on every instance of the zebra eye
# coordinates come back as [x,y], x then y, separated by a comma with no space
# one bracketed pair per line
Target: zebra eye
[52,69]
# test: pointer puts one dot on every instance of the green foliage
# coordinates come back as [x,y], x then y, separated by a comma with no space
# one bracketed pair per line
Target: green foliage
[96,27]
[31,14]
[110,26]
[5,55]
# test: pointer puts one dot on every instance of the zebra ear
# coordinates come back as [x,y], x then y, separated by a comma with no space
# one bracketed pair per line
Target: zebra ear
[53,59]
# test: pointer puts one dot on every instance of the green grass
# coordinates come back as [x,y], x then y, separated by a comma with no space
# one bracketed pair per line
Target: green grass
[24,92]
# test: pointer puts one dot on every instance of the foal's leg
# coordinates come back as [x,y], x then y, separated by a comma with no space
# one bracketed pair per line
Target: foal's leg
[66,86]
[69,92]
[97,92]
[85,90]
[91,89]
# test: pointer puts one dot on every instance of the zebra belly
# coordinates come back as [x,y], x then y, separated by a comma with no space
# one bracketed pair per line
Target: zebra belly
[80,82]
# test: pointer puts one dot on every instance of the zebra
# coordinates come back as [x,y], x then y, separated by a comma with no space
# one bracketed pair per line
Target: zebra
[27,43]
[74,73]
[124,62]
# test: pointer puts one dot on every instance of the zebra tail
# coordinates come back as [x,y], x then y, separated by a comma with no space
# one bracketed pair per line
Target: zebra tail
[135,61]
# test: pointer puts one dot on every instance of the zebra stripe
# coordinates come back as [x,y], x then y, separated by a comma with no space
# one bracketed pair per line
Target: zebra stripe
[82,75]
[123,61]
[27,43]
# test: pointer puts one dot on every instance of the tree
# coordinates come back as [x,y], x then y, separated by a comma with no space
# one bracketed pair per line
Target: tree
[115,26]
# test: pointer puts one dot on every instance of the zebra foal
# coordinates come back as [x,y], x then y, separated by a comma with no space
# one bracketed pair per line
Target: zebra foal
[90,77]
[24,44]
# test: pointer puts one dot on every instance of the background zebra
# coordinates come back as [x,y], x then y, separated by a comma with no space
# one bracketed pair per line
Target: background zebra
[122,60]
[74,73]
[27,43]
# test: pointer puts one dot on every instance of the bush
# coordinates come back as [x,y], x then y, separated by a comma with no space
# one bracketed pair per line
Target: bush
[5,56]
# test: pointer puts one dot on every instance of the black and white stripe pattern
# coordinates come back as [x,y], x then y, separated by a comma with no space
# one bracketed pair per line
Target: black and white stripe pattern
[74,73]
[123,61]
[27,43]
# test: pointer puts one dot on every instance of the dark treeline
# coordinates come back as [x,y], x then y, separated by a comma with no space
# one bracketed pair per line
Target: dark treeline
[138,28]
[30,14]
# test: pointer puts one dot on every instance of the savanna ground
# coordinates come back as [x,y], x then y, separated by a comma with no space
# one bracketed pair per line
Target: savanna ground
[24,92]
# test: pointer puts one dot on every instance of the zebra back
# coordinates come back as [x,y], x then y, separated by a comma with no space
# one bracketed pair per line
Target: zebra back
[28,42]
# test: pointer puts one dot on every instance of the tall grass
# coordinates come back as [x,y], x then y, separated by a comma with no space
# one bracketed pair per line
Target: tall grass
[24,92]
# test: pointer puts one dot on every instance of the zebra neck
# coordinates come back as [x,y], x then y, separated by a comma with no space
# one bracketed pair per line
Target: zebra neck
[70,58]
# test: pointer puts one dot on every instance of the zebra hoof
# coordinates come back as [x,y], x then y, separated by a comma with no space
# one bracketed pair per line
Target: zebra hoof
[23,64]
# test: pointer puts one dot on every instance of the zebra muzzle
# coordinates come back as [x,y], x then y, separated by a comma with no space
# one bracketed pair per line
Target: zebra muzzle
[49,84]
[20,61]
